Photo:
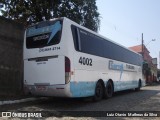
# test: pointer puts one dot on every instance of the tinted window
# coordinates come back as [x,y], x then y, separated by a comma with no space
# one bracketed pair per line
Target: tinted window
[90,43]
[42,35]
[75,37]
[98,46]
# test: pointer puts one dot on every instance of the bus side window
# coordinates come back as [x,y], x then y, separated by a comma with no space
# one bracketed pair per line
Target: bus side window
[76,37]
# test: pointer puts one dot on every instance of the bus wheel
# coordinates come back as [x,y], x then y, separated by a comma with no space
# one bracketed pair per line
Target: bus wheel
[98,92]
[108,90]
[139,86]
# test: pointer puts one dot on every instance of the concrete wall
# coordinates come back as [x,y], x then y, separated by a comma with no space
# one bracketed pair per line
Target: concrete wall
[11,62]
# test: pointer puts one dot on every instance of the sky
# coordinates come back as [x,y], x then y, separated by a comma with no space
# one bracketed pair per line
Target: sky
[124,21]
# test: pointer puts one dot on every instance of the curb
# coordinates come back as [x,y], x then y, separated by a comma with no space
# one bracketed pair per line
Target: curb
[21,100]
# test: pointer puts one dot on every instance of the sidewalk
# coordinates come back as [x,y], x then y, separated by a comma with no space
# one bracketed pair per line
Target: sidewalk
[5,100]
[153,83]
[13,97]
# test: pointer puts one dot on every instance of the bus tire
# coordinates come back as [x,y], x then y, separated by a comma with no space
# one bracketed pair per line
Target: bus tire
[139,86]
[108,90]
[98,92]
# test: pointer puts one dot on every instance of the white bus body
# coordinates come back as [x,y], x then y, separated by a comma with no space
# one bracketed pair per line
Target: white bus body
[59,62]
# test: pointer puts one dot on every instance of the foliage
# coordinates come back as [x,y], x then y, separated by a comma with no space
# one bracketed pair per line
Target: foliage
[83,12]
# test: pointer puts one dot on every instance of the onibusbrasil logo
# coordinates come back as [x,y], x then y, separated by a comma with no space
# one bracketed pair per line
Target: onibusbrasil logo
[22,114]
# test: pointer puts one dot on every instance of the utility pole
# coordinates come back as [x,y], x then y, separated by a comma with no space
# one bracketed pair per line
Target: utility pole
[142,47]
[159,59]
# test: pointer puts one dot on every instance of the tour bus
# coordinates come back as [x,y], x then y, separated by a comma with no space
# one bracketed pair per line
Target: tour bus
[65,59]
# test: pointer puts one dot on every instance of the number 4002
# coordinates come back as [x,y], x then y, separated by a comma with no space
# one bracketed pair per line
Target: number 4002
[85,61]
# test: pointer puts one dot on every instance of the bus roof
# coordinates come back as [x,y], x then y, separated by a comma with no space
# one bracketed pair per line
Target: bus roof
[72,22]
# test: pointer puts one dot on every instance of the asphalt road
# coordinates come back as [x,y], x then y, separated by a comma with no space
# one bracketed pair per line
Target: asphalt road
[148,99]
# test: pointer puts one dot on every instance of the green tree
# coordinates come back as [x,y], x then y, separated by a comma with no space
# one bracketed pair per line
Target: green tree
[83,12]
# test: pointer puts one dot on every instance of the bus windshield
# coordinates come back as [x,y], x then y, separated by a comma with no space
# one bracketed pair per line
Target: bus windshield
[44,34]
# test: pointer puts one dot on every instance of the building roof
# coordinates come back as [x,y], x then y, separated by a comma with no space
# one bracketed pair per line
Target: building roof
[137,48]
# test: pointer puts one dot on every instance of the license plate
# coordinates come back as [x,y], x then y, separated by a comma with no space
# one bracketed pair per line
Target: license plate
[41,88]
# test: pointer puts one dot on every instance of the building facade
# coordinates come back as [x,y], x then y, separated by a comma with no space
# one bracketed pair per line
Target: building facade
[149,63]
